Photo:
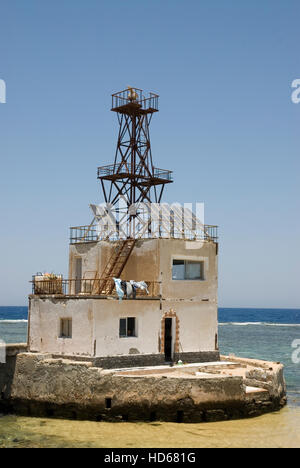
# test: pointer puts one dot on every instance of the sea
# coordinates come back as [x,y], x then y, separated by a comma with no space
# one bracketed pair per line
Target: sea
[270,334]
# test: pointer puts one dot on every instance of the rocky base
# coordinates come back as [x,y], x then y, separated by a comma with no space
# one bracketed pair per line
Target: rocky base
[46,386]
[184,412]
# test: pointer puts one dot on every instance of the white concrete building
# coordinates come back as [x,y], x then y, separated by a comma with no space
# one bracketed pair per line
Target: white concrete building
[172,251]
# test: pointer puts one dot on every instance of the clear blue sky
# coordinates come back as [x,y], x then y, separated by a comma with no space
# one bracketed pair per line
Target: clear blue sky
[226,126]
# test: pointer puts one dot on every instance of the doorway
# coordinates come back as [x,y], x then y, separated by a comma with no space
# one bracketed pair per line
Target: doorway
[78,275]
[168,339]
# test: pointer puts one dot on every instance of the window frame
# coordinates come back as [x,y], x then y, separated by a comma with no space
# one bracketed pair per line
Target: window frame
[134,328]
[69,328]
[187,261]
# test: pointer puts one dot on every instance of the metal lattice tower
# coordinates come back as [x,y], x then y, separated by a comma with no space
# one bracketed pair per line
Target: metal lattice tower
[133,188]
[133,176]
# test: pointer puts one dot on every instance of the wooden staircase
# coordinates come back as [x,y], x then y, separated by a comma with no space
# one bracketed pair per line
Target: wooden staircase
[115,266]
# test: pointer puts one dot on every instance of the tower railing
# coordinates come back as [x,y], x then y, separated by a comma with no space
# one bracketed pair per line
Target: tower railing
[134,96]
[139,172]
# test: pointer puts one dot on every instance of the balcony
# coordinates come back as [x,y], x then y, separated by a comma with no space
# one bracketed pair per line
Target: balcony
[139,174]
[84,287]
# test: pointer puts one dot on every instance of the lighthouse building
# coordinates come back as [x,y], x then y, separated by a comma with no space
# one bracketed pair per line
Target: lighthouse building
[143,275]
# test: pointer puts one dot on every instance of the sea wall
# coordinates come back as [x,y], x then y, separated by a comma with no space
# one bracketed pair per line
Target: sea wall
[7,369]
[40,385]
[263,374]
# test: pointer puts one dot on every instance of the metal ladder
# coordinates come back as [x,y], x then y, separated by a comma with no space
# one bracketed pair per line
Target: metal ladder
[115,266]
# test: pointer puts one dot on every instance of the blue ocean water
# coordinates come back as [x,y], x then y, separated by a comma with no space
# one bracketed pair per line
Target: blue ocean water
[259,316]
[264,334]
[254,333]
[13,313]
[13,324]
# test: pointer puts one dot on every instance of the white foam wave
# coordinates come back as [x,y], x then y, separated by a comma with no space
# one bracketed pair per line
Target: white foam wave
[13,321]
[267,324]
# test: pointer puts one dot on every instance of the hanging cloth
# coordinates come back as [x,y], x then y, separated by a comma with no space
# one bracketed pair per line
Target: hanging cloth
[119,288]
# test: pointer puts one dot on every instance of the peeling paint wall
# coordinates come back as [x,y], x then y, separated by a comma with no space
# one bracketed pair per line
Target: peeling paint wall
[95,326]
[107,317]
[177,249]
[45,316]
[95,321]
[151,260]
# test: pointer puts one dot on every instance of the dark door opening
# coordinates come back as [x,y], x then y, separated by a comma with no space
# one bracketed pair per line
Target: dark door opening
[168,339]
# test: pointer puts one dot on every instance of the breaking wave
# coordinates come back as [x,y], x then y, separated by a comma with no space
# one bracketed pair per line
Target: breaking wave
[13,321]
[267,324]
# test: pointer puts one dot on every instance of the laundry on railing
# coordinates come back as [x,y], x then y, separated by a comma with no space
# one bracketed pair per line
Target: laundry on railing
[119,288]
[129,288]
[139,285]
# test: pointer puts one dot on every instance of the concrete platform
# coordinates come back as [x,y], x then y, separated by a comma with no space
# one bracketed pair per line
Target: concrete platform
[42,385]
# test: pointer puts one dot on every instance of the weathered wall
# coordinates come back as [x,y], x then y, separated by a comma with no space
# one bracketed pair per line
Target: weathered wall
[266,375]
[91,261]
[143,263]
[95,326]
[107,316]
[79,385]
[207,289]
[96,321]
[44,325]
[198,324]
[151,260]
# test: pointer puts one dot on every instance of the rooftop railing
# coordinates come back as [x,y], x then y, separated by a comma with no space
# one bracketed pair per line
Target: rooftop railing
[211,232]
[81,234]
[84,234]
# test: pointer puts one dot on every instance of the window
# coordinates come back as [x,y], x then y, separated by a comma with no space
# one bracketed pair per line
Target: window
[187,270]
[178,272]
[127,327]
[66,328]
